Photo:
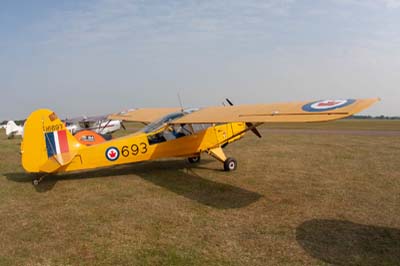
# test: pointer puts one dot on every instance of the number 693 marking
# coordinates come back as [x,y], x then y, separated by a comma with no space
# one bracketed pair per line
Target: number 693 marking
[134,149]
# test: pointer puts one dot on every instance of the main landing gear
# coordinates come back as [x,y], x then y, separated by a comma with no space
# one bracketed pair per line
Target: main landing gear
[230,164]
[194,159]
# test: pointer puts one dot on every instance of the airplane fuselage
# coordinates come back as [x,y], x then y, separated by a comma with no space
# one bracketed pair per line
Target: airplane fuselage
[140,147]
[51,148]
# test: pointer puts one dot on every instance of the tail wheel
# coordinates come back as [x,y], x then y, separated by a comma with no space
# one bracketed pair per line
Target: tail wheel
[230,164]
[194,159]
[37,178]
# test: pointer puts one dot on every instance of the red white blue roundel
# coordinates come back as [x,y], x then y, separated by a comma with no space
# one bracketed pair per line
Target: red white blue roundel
[112,154]
[326,105]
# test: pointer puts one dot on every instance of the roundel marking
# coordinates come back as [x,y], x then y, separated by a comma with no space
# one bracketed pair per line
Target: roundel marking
[326,105]
[112,154]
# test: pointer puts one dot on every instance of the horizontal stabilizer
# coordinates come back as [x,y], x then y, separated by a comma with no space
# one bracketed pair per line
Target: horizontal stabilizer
[57,161]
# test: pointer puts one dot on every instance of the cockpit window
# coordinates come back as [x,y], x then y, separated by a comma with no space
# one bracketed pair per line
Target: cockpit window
[156,125]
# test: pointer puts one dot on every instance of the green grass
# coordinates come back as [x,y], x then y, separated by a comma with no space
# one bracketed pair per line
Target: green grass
[295,199]
[344,124]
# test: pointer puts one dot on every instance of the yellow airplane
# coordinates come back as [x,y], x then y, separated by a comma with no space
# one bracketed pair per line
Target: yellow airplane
[48,147]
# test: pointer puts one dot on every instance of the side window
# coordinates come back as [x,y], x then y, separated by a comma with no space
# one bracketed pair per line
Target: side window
[200,127]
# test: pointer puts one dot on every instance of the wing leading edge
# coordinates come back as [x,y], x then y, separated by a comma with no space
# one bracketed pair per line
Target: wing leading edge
[143,115]
[317,111]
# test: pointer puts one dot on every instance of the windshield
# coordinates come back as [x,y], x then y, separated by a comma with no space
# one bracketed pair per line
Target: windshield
[154,126]
[159,123]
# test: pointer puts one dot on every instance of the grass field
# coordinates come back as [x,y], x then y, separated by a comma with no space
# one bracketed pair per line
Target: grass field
[295,199]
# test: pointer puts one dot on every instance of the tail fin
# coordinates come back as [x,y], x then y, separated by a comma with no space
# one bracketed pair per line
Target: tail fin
[47,145]
[13,129]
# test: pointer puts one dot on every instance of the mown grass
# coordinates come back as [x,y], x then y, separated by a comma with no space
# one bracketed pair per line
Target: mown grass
[344,124]
[295,199]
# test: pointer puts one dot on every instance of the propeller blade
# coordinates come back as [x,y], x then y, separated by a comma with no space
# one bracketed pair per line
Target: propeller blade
[230,103]
[123,126]
[249,125]
[254,129]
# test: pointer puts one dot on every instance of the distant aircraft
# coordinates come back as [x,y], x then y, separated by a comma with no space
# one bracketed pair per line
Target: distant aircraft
[13,129]
[170,132]
[99,124]
[92,130]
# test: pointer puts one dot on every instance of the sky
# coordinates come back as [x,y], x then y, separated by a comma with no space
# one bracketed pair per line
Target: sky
[98,57]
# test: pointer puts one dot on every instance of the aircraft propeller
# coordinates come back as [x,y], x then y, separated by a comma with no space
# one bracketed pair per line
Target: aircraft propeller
[123,126]
[248,124]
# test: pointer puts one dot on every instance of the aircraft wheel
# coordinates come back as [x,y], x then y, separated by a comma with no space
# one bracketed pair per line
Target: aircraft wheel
[230,164]
[194,159]
[35,182]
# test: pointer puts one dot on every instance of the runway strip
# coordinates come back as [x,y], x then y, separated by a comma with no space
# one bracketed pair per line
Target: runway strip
[335,132]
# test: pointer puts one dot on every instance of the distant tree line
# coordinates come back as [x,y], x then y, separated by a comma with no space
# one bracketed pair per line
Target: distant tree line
[18,122]
[380,117]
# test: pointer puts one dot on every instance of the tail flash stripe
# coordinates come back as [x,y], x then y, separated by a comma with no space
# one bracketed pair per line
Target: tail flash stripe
[63,141]
[56,143]
[57,146]
[50,144]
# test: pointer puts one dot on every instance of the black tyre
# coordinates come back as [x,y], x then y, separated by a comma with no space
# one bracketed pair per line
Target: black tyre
[194,159]
[230,164]
[35,182]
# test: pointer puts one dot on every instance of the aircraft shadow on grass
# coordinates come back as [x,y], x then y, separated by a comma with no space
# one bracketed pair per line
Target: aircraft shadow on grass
[176,176]
[346,243]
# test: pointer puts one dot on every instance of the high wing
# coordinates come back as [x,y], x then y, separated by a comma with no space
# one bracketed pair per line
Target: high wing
[143,115]
[323,110]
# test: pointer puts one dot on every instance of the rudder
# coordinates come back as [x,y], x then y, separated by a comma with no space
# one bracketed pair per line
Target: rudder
[47,144]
